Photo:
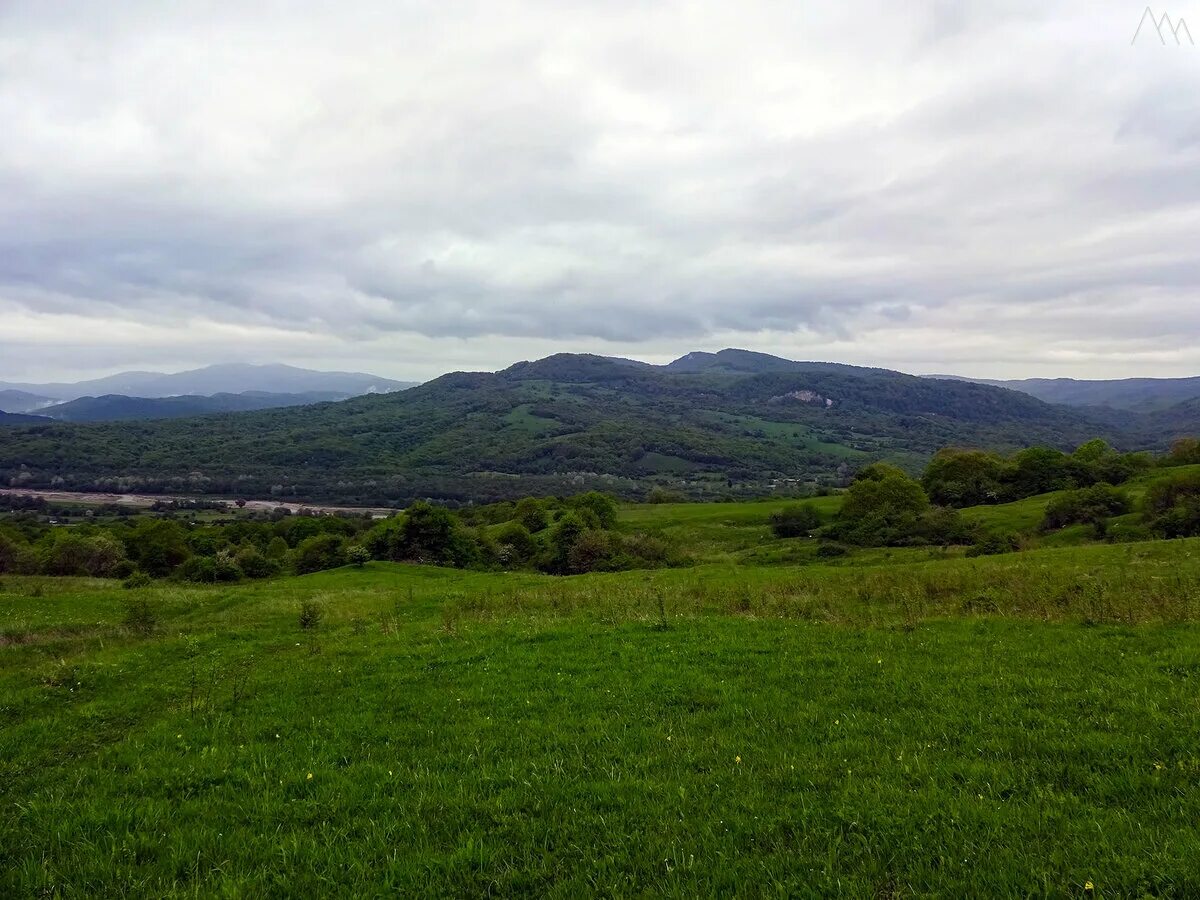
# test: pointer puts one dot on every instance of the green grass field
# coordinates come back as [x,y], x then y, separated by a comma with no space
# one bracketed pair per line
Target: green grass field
[1022,725]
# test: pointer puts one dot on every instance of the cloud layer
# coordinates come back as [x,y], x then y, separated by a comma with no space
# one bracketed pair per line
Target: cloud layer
[1012,189]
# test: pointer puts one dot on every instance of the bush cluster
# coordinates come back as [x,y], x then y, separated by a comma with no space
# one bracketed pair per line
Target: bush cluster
[1086,506]
[557,535]
[1172,506]
[956,477]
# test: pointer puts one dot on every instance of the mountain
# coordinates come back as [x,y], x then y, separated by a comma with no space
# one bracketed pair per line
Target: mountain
[1137,394]
[748,362]
[119,408]
[13,401]
[557,425]
[233,378]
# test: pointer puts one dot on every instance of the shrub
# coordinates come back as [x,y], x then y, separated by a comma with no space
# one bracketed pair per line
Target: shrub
[357,556]
[514,544]
[1184,452]
[16,557]
[831,550]
[798,520]
[596,509]
[277,549]
[882,508]
[72,553]
[1172,506]
[140,616]
[648,549]
[225,568]
[157,546]
[311,614]
[137,580]
[662,495]
[591,551]
[254,565]
[530,513]
[322,551]
[943,525]
[433,534]
[563,535]
[994,542]
[200,569]
[1085,506]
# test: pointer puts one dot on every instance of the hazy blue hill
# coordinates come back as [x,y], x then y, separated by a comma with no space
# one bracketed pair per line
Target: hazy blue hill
[234,378]
[1134,394]
[14,401]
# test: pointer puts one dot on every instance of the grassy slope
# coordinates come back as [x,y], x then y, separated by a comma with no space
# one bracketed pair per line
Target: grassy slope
[1015,725]
[728,532]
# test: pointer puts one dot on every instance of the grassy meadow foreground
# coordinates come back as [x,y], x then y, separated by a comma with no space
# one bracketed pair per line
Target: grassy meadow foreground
[1012,725]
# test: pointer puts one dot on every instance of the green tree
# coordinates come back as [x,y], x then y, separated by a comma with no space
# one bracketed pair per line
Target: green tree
[596,507]
[1039,470]
[515,545]
[882,507]
[563,535]
[434,534]
[530,513]
[321,551]
[964,478]
[158,546]
[1172,506]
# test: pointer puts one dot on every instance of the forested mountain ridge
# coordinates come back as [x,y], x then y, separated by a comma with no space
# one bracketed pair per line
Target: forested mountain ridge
[555,425]
[120,408]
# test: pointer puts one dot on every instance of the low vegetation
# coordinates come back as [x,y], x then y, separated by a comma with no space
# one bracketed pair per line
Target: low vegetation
[1004,726]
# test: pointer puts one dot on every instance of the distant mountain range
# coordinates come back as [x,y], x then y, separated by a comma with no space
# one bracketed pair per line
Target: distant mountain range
[1134,394]
[707,424]
[233,378]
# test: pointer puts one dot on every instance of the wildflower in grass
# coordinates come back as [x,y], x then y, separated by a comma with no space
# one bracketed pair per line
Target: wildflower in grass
[1088,886]
[738,760]
[309,776]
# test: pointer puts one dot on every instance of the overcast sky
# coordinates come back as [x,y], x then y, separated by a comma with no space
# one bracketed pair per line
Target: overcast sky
[409,188]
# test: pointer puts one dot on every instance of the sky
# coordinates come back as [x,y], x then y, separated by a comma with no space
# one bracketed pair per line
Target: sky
[1003,189]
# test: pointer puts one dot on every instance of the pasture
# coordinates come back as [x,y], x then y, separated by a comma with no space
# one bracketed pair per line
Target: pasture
[1011,725]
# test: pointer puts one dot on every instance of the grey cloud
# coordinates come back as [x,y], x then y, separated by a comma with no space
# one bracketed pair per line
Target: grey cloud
[629,177]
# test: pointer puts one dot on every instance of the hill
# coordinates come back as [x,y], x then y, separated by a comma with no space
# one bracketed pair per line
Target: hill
[119,408]
[1134,394]
[557,425]
[230,378]
[12,401]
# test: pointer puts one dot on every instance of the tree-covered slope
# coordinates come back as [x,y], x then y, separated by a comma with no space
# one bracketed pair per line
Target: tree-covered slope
[554,425]
[120,408]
